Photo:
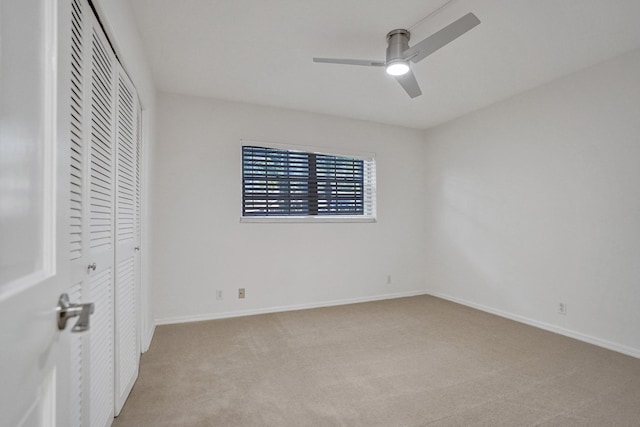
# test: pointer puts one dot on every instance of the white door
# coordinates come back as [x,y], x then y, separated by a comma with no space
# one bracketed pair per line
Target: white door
[93,270]
[34,386]
[101,228]
[92,215]
[104,193]
[59,186]
[127,354]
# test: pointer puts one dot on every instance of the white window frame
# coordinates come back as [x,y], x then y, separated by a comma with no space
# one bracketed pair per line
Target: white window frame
[370,185]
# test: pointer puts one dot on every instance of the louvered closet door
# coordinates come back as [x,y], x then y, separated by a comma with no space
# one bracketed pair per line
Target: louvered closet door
[104,231]
[101,226]
[127,214]
[92,216]
[78,218]
[138,223]
[138,226]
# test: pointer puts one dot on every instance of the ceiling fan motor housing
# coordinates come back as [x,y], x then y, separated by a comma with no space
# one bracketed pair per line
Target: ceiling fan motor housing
[399,53]
[397,43]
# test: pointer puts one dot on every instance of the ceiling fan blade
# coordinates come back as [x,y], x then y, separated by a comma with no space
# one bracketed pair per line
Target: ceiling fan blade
[441,38]
[365,62]
[409,84]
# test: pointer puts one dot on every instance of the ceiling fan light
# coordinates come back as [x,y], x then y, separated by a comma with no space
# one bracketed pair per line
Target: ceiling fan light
[397,68]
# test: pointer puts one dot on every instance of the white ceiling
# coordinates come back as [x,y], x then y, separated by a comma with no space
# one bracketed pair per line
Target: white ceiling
[259,51]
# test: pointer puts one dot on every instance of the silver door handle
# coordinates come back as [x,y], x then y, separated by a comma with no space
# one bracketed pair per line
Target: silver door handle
[92,267]
[66,310]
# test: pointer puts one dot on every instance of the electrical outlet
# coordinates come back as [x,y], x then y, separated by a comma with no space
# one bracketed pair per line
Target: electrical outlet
[241,293]
[562,308]
[218,294]
[389,279]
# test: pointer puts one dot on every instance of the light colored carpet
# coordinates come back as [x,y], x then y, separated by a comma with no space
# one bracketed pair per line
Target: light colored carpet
[406,362]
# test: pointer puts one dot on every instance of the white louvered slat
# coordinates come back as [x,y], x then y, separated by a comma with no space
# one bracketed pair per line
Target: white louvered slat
[127,320]
[78,206]
[101,348]
[126,134]
[138,226]
[138,176]
[101,172]
[370,190]
[76,137]
[76,377]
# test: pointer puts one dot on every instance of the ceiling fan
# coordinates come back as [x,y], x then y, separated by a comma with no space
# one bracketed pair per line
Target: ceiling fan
[399,53]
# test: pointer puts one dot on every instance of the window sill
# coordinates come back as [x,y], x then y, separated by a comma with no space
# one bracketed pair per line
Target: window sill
[335,219]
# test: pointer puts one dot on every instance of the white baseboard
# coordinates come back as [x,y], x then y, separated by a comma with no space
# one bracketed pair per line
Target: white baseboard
[629,351]
[240,313]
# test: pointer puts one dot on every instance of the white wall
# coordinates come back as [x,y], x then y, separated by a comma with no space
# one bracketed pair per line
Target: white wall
[536,201]
[200,245]
[117,18]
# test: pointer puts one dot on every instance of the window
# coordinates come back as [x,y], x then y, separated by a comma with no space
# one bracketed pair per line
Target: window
[291,184]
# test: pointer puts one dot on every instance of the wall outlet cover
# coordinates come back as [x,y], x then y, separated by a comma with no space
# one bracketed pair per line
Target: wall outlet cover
[562,308]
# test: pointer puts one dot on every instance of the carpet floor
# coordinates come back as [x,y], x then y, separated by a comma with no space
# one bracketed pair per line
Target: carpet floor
[418,361]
